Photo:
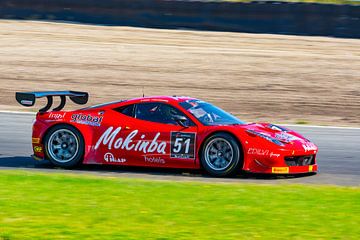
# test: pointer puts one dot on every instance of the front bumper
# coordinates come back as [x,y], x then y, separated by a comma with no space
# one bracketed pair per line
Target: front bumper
[281,162]
[284,169]
[295,169]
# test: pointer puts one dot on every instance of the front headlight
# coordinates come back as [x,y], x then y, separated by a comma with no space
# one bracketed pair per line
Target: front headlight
[270,139]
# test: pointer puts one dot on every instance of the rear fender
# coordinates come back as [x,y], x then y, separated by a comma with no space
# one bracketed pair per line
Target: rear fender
[41,128]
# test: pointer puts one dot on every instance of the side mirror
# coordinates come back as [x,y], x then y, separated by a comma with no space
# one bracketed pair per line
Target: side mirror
[181,120]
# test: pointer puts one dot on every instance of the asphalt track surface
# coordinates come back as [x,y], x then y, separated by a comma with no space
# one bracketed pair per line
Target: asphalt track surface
[338,158]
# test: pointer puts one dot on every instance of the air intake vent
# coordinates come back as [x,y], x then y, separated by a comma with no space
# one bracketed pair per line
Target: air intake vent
[300,160]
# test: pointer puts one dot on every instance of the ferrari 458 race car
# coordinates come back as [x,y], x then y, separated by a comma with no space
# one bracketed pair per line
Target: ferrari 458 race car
[163,131]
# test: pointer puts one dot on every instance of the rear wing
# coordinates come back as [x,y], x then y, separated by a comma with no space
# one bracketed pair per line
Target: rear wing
[27,99]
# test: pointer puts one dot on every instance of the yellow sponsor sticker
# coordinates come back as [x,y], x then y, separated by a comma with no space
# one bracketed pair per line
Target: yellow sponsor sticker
[280,170]
[310,168]
[38,149]
[36,140]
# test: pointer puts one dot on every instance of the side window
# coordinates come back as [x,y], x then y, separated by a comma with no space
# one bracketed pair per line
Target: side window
[158,112]
[126,110]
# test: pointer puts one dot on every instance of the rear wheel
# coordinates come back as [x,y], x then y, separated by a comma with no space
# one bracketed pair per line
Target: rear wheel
[64,146]
[221,155]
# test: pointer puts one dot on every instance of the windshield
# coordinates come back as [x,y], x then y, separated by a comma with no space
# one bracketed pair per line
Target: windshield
[209,114]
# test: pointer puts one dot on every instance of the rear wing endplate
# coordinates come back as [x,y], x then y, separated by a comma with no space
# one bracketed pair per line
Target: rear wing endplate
[27,99]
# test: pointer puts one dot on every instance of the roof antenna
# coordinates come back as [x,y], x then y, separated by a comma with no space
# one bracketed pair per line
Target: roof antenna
[143,91]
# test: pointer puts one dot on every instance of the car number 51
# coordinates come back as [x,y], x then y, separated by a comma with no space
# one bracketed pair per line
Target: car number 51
[182,145]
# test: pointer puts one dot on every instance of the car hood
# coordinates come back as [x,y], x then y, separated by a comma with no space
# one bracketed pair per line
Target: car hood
[279,133]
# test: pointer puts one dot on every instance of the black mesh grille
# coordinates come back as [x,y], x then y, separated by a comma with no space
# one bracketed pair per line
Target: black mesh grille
[300,160]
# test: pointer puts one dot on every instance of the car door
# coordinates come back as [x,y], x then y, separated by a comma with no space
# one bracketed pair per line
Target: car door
[169,143]
[116,139]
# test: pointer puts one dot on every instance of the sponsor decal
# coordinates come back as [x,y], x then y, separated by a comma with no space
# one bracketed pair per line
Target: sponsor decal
[182,145]
[309,147]
[109,157]
[87,119]
[111,139]
[27,102]
[38,149]
[35,140]
[265,136]
[262,152]
[154,160]
[310,168]
[154,99]
[274,155]
[280,169]
[56,116]
[283,136]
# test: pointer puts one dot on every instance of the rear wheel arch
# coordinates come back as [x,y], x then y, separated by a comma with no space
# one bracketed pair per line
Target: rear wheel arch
[46,132]
[77,133]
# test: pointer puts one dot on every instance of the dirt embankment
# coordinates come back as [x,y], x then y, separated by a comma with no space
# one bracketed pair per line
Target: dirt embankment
[258,77]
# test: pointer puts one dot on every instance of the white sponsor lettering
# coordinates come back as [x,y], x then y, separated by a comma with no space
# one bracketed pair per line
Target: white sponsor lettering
[109,138]
[274,155]
[262,152]
[309,147]
[109,157]
[56,116]
[87,119]
[154,160]
[256,151]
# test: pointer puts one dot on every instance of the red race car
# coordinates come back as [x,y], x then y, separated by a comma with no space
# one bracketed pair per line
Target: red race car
[163,131]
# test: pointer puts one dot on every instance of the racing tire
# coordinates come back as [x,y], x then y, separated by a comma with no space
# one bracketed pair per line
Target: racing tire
[64,146]
[221,155]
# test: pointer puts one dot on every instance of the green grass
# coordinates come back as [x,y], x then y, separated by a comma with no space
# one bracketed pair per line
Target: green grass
[65,206]
[303,122]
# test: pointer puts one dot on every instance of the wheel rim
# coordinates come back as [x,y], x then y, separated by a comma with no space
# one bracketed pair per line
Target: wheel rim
[63,145]
[219,154]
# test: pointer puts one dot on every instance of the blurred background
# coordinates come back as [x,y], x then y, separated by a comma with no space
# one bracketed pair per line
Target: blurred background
[284,61]
[295,61]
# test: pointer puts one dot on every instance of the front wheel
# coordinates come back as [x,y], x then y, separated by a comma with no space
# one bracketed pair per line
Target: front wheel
[221,155]
[64,146]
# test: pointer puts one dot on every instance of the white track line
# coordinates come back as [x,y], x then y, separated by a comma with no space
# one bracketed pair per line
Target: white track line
[285,125]
[315,126]
[18,112]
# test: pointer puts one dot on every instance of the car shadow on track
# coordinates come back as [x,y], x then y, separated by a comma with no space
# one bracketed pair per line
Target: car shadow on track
[21,162]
